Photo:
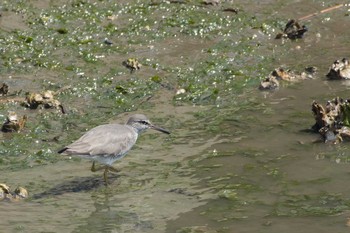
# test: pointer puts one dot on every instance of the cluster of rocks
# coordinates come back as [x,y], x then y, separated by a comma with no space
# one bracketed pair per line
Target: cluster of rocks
[272,82]
[43,100]
[333,120]
[7,195]
[340,69]
[293,30]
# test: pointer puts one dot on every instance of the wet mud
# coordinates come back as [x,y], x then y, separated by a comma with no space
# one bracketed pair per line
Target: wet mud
[238,159]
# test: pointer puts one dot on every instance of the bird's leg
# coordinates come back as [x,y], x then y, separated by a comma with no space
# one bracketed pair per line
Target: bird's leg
[113,169]
[108,169]
[94,169]
[105,175]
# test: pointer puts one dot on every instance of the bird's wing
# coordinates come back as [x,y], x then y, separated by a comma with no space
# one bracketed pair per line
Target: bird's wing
[104,139]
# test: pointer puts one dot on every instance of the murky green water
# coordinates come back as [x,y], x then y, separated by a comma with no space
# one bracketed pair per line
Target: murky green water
[238,160]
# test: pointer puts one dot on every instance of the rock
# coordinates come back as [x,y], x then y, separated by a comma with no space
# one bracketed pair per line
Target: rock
[270,83]
[132,64]
[339,70]
[13,124]
[6,194]
[45,99]
[4,89]
[332,121]
[293,30]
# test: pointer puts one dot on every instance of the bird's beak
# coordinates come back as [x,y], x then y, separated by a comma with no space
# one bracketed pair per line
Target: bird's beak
[159,129]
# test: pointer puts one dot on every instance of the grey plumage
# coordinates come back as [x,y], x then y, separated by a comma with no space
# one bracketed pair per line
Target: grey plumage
[104,143]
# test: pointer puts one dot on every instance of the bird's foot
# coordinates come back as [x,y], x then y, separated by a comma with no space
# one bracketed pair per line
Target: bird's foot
[109,169]
[106,169]
[105,176]
[113,169]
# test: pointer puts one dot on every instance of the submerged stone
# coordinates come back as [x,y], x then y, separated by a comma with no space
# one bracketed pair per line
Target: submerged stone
[228,194]
[270,83]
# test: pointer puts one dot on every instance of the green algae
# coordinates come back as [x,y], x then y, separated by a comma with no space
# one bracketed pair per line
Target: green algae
[323,204]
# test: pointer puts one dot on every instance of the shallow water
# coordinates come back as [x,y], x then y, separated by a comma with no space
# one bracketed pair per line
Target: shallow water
[243,162]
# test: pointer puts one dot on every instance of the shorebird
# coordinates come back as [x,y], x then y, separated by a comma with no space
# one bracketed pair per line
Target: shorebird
[110,142]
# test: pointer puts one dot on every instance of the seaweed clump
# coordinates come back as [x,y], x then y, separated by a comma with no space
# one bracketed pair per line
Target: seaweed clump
[333,120]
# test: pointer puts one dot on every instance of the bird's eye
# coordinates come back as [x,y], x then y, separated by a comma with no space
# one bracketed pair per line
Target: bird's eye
[144,122]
